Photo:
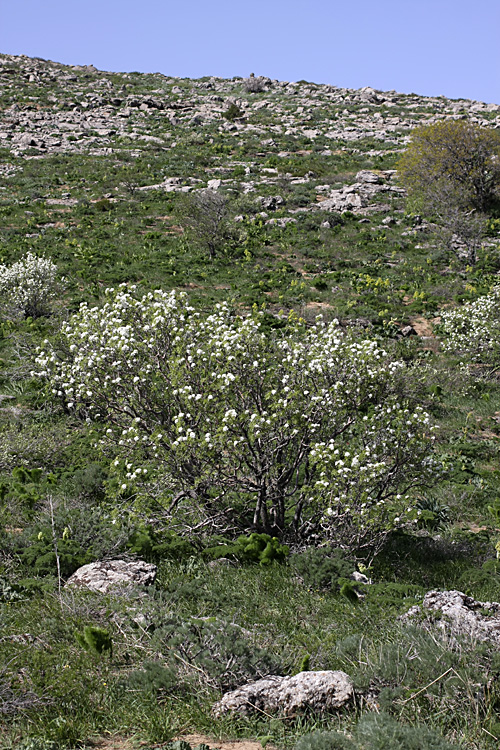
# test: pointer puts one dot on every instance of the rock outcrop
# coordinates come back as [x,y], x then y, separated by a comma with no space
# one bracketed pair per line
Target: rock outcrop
[459,615]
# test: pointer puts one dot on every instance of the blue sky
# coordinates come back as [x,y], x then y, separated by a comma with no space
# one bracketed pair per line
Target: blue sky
[429,47]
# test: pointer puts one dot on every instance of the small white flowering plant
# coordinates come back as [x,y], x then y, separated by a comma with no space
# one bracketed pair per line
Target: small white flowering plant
[300,431]
[29,286]
[474,328]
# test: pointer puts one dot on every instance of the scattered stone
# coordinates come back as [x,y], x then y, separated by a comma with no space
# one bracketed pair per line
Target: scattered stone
[282,222]
[367,94]
[360,577]
[110,574]
[270,202]
[342,200]
[61,201]
[289,696]
[221,562]
[370,178]
[408,331]
[357,323]
[457,614]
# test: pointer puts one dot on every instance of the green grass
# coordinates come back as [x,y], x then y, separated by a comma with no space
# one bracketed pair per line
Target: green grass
[82,695]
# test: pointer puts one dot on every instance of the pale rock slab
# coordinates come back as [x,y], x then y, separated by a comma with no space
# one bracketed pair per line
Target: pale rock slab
[460,615]
[106,575]
[317,691]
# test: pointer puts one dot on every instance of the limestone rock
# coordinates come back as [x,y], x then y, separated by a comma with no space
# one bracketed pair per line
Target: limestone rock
[282,221]
[460,615]
[360,577]
[407,331]
[214,185]
[341,200]
[271,202]
[367,94]
[318,691]
[110,574]
[365,175]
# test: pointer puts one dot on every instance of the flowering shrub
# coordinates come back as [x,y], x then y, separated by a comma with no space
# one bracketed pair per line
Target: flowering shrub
[304,430]
[474,328]
[30,285]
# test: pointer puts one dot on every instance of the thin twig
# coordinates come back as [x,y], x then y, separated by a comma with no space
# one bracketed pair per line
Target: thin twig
[187,664]
[491,735]
[259,709]
[54,542]
[428,686]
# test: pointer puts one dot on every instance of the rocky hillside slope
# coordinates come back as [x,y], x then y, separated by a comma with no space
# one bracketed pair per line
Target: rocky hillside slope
[48,108]
[94,165]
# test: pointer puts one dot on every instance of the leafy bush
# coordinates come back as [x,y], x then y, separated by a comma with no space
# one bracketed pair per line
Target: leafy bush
[205,213]
[29,286]
[41,556]
[452,172]
[154,678]
[254,84]
[433,514]
[380,731]
[232,113]
[454,154]
[151,545]
[307,428]
[10,592]
[89,482]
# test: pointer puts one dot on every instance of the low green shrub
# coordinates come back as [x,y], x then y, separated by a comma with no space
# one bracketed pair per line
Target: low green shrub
[349,589]
[389,594]
[36,743]
[377,732]
[154,678]
[255,548]
[224,654]
[95,639]
[27,486]
[322,567]
[233,112]
[11,592]
[325,741]
[41,557]
[153,546]
[380,731]
[433,514]
[90,482]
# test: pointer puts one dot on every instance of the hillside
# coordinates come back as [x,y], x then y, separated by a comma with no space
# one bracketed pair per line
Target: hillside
[86,149]
[268,203]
